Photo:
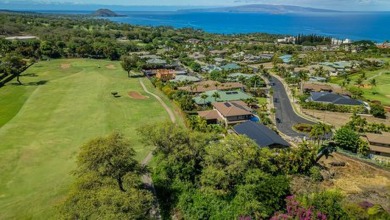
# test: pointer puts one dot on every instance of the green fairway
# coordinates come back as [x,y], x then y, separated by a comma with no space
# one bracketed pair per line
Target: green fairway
[62,104]
[380,92]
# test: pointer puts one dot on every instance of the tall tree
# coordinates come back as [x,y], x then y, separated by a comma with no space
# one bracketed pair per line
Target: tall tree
[107,183]
[14,64]
[129,63]
[111,157]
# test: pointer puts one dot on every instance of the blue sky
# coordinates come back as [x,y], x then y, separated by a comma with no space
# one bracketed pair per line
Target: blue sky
[347,5]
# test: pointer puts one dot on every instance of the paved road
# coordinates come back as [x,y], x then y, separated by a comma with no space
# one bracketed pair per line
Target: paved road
[284,110]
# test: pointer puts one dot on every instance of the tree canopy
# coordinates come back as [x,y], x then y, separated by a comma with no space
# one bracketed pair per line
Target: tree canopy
[107,184]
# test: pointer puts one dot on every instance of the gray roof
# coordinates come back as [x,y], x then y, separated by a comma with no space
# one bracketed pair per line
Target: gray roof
[333,98]
[261,134]
[156,61]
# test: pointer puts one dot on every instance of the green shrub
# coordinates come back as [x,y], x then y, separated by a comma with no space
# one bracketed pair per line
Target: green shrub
[302,127]
[378,111]
[315,174]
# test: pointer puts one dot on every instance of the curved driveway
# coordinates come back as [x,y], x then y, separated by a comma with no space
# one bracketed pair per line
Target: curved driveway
[284,111]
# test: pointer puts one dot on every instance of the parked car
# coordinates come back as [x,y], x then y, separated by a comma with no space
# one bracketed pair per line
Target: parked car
[278,120]
[275,100]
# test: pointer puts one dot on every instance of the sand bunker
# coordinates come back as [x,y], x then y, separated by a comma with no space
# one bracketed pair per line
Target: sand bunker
[136,95]
[111,67]
[65,66]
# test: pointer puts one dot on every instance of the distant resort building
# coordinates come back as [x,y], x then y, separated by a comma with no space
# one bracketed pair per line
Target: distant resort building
[223,96]
[286,40]
[336,42]
[261,134]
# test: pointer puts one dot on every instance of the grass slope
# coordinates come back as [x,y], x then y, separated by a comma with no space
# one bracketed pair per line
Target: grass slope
[44,122]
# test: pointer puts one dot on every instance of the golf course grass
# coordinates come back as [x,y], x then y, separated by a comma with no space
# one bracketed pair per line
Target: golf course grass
[379,92]
[61,105]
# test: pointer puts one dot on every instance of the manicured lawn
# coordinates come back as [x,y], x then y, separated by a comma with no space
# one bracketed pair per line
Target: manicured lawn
[44,122]
[380,92]
[262,100]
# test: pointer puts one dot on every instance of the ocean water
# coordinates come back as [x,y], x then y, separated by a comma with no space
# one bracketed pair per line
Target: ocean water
[353,25]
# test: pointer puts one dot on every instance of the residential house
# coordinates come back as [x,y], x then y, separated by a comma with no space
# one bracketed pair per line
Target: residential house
[211,85]
[379,144]
[261,134]
[211,68]
[317,79]
[223,96]
[218,52]
[234,77]
[322,87]
[147,57]
[194,41]
[156,61]
[336,99]
[180,71]
[165,74]
[185,78]
[228,113]
[219,61]
[197,55]
[231,66]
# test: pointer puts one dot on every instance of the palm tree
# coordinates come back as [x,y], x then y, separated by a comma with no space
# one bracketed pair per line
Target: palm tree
[216,96]
[373,82]
[204,97]
[359,81]
[319,131]
[326,150]
[216,84]
[251,101]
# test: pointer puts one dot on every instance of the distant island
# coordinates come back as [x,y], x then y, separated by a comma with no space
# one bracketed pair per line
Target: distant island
[106,13]
[263,8]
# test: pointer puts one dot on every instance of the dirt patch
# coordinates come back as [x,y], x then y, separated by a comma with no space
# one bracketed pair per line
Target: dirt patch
[360,181]
[339,119]
[65,66]
[367,86]
[356,180]
[111,67]
[136,95]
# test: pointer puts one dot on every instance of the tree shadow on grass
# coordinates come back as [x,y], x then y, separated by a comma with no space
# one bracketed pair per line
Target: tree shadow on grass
[30,75]
[38,83]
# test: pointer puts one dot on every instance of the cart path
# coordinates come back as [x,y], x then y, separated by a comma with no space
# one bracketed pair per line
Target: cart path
[169,111]
[146,178]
